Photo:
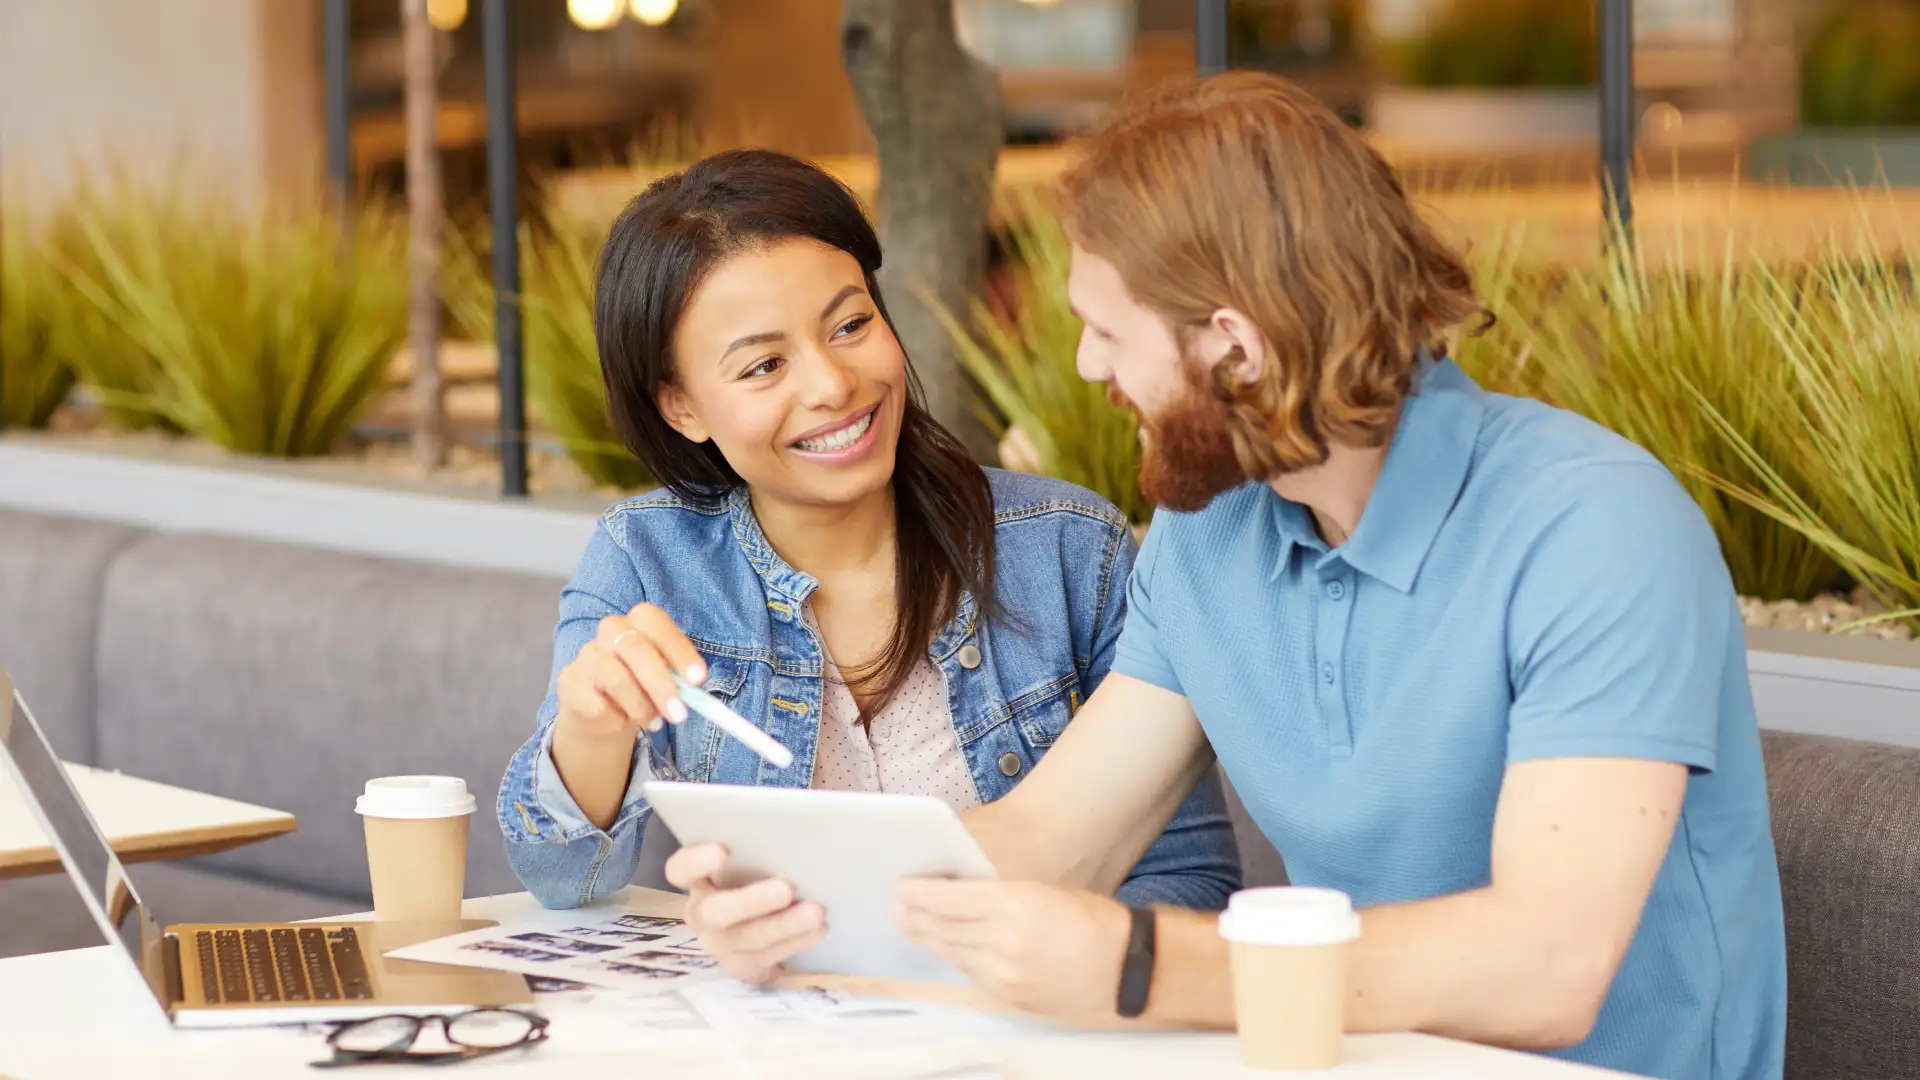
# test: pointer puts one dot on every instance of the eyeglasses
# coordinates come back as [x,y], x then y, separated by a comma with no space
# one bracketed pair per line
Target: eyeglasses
[385,1040]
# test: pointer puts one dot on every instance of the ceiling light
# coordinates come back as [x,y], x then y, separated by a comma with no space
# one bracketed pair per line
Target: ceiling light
[653,12]
[593,14]
[446,14]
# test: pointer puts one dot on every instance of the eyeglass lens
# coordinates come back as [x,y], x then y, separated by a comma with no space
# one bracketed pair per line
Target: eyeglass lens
[488,1029]
[381,1033]
[483,1029]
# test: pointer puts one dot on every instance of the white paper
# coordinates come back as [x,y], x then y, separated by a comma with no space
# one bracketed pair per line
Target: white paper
[641,954]
[818,1034]
[736,1006]
[842,1056]
[668,1011]
[637,980]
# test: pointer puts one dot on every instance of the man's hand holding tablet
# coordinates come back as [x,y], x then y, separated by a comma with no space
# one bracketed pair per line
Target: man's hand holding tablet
[1006,935]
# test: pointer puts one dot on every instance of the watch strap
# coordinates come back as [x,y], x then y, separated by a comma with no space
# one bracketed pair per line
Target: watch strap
[1136,971]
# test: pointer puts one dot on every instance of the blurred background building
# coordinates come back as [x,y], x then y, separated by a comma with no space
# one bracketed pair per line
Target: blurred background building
[613,81]
[1779,162]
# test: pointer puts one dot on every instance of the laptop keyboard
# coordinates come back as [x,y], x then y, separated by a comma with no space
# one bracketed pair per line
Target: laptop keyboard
[282,964]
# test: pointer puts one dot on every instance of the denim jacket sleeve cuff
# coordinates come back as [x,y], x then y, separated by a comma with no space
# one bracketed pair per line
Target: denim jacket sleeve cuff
[556,802]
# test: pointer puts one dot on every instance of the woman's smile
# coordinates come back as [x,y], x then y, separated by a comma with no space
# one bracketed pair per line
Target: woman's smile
[842,441]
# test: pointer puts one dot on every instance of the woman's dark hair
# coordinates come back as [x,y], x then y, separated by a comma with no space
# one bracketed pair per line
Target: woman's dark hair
[662,246]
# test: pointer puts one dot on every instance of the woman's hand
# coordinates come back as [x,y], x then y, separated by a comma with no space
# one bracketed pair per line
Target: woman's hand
[751,930]
[621,682]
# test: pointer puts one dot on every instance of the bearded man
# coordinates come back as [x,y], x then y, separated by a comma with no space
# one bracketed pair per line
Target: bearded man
[1474,661]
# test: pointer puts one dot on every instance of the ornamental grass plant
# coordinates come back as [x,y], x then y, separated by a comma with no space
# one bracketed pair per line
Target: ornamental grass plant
[265,330]
[1024,363]
[565,391]
[1635,344]
[36,314]
[1839,462]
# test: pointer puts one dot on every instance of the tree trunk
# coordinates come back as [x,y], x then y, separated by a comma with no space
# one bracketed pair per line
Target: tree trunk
[422,68]
[935,113]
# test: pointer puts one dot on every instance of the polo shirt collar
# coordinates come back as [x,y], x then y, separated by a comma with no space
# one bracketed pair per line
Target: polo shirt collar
[1425,468]
[1295,528]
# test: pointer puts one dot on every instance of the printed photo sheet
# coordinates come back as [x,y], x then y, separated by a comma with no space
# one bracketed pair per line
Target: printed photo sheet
[640,954]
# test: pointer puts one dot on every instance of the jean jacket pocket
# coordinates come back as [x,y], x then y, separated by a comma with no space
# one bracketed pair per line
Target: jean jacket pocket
[690,750]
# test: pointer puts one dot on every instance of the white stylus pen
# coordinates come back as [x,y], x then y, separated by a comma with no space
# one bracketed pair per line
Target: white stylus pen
[733,723]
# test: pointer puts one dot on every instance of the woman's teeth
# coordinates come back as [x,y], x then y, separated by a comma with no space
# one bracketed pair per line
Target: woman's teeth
[839,440]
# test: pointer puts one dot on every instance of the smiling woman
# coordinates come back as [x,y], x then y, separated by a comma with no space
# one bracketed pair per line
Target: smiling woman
[744,345]
[824,558]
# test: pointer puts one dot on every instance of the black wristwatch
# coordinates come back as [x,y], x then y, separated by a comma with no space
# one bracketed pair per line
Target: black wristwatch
[1136,971]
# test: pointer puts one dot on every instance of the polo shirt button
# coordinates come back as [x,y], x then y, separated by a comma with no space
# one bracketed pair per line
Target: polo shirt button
[1326,673]
[1009,764]
[1336,590]
[970,658]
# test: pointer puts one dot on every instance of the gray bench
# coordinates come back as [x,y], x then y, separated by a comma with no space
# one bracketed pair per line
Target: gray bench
[271,673]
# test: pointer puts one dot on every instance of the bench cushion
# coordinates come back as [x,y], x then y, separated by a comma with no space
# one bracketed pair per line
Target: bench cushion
[288,676]
[1846,822]
[51,573]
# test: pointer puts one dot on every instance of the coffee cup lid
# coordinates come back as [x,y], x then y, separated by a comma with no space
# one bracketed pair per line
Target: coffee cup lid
[1289,915]
[415,797]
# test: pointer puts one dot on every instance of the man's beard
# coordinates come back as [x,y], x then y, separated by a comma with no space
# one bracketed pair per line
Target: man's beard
[1188,458]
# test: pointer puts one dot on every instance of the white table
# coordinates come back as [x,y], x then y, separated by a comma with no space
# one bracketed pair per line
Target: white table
[144,820]
[83,1014]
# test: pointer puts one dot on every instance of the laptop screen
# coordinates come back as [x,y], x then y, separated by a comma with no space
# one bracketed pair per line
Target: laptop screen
[90,861]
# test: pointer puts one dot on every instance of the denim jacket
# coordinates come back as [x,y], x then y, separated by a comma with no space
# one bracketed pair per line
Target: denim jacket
[1062,560]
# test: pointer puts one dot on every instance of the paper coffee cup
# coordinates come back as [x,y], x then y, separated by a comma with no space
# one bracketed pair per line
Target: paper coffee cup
[1289,948]
[416,846]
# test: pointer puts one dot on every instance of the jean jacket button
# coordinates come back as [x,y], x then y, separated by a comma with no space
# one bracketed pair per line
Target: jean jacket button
[969,657]
[1009,764]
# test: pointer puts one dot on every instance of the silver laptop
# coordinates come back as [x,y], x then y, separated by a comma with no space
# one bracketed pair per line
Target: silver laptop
[237,974]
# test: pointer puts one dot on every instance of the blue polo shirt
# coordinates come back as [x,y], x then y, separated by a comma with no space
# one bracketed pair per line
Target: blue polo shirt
[1523,584]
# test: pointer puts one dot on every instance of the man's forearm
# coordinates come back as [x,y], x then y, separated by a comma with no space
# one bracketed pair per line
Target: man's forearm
[1031,839]
[1022,849]
[1465,966]
[1024,846]
[1102,794]
[1478,965]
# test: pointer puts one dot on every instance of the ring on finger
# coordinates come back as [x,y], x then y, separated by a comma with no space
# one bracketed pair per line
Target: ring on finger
[624,635]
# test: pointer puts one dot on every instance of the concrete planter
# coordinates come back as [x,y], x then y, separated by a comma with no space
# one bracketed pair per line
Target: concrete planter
[1518,119]
[1832,156]
[263,501]
[1826,684]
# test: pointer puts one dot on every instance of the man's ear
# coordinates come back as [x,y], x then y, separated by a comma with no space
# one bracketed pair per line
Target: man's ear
[1233,340]
[679,413]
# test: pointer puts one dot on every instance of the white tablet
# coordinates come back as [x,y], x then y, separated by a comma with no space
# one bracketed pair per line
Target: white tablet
[844,850]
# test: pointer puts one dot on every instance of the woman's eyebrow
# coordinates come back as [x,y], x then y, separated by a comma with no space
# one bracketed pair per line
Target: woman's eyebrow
[839,298]
[752,339]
